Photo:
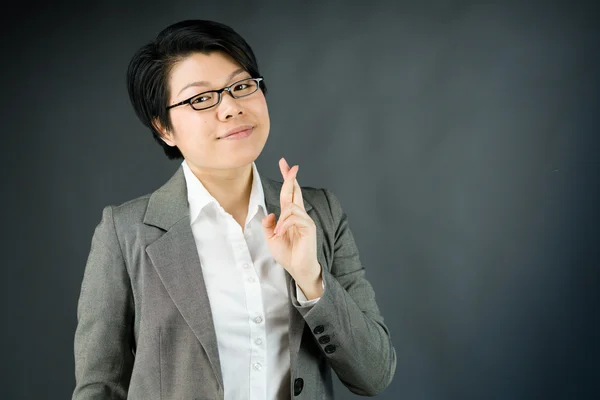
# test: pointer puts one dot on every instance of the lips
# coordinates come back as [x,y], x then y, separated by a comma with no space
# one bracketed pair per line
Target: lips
[235,130]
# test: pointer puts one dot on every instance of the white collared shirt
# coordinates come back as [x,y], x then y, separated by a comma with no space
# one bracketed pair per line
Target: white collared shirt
[248,294]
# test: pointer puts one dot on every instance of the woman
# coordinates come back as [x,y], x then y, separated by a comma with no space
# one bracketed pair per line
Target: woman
[222,284]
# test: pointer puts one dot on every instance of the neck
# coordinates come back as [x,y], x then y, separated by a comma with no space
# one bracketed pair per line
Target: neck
[230,187]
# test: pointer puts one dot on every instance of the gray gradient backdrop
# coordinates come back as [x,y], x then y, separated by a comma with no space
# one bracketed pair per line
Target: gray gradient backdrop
[461,138]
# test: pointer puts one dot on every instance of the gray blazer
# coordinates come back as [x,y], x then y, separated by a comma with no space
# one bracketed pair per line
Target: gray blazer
[145,328]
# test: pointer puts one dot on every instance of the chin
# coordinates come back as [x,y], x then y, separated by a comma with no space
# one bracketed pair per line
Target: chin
[238,159]
[251,152]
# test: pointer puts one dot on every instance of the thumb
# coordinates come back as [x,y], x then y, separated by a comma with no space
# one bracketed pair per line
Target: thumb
[268,224]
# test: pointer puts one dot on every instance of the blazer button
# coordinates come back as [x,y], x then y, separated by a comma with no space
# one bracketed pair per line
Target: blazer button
[330,348]
[298,385]
[319,329]
[324,339]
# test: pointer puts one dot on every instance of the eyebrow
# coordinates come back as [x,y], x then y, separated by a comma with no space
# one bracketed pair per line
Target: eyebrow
[206,83]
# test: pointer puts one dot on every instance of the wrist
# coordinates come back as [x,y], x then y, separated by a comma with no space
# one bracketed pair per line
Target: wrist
[311,285]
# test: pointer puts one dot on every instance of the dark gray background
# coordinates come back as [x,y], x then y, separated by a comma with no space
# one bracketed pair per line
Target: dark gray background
[461,138]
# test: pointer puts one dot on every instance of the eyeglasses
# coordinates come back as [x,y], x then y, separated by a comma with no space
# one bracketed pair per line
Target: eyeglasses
[209,99]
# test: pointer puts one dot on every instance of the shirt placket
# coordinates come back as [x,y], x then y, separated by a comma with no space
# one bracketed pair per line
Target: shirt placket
[255,313]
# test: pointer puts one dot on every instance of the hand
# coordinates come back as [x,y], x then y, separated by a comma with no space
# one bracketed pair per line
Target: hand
[293,239]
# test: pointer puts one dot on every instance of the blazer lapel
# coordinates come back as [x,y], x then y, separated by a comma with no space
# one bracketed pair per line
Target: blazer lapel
[175,257]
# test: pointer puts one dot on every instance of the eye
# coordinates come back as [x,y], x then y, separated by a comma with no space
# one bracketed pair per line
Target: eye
[245,87]
[201,99]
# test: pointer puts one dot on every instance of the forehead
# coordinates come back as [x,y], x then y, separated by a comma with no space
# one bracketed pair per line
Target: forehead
[210,71]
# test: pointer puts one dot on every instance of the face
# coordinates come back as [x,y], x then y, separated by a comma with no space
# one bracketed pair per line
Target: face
[199,134]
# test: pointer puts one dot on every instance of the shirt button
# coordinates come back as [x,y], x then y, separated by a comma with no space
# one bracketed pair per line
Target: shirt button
[257,366]
[258,320]
[251,280]
[246,265]
[258,341]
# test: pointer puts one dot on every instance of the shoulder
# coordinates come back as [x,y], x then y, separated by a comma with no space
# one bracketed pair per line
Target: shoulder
[133,209]
[126,214]
[316,197]
[324,202]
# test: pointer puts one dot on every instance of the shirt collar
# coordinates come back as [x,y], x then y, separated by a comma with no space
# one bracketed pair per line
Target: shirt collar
[199,197]
[257,195]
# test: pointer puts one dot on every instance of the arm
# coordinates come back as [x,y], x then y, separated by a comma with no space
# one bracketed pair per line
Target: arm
[359,348]
[104,334]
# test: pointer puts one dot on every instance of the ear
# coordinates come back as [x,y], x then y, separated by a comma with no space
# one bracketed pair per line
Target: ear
[165,134]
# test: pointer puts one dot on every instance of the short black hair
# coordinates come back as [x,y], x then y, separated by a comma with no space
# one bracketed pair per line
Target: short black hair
[149,69]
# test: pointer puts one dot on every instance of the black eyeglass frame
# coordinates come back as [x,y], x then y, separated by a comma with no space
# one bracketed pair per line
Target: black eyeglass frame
[219,93]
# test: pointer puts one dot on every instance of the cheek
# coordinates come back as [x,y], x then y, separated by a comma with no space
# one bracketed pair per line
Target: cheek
[192,128]
[263,101]
[261,110]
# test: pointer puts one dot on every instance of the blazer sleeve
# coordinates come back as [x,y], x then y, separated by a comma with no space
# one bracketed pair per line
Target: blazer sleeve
[346,321]
[104,334]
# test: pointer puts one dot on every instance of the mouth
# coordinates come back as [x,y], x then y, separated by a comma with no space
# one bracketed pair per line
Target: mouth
[239,132]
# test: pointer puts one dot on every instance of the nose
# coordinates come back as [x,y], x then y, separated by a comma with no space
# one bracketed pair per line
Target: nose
[229,107]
